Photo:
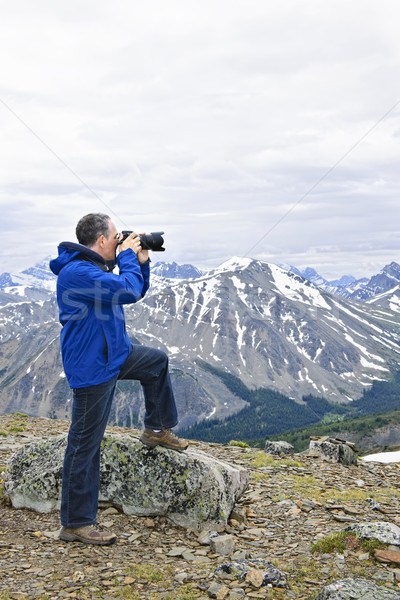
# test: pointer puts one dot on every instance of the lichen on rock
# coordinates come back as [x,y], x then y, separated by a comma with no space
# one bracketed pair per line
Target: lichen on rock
[356,589]
[385,532]
[190,488]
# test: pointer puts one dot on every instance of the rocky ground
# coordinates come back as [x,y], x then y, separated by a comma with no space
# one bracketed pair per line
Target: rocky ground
[291,504]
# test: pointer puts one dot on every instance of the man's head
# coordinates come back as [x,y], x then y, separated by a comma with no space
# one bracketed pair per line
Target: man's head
[98,232]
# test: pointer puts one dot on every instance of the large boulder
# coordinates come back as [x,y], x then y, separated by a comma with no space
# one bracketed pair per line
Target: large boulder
[278,448]
[333,450]
[191,488]
[357,589]
[385,532]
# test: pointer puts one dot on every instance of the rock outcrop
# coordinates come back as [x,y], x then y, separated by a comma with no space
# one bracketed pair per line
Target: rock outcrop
[356,589]
[191,488]
[333,450]
[387,533]
[277,448]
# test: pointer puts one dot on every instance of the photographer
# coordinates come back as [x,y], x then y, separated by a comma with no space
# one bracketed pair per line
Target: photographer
[97,352]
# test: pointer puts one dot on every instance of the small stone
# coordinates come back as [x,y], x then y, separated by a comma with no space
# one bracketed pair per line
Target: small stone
[177,551]
[109,511]
[149,523]
[37,534]
[240,555]
[255,577]
[387,556]
[238,514]
[236,594]
[205,536]
[396,573]
[223,544]
[256,532]
[234,523]
[181,578]
[107,524]
[217,591]
[363,556]
[54,535]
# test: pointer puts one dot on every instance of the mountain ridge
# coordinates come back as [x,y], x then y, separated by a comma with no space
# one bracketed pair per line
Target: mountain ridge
[265,325]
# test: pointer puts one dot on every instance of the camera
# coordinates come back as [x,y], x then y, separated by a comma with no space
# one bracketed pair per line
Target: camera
[149,241]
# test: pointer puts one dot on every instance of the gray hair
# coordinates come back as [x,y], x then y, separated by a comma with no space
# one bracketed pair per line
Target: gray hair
[91,227]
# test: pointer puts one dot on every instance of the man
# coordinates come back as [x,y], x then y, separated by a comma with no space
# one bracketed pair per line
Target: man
[96,352]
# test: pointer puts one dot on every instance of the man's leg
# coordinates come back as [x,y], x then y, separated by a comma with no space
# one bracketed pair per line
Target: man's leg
[81,471]
[150,367]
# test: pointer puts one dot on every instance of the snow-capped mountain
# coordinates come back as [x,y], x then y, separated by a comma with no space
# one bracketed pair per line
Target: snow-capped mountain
[271,328]
[266,325]
[172,270]
[350,287]
[387,279]
[389,299]
[308,273]
[38,276]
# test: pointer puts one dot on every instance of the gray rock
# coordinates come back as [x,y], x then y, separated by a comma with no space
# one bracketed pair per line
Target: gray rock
[205,536]
[217,590]
[385,532]
[333,450]
[277,448]
[239,569]
[237,594]
[373,503]
[223,544]
[356,589]
[191,488]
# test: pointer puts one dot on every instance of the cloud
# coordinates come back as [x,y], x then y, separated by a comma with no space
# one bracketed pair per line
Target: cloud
[216,122]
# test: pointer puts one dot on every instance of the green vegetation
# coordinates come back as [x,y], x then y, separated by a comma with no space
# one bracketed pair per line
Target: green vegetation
[300,438]
[346,540]
[146,573]
[269,414]
[15,425]
[261,459]
[238,444]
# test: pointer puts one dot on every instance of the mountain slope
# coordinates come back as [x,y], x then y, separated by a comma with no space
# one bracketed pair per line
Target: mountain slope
[172,270]
[270,328]
[38,276]
[265,325]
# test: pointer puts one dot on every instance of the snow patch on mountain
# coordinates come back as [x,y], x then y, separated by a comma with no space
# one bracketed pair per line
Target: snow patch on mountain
[38,276]
[296,289]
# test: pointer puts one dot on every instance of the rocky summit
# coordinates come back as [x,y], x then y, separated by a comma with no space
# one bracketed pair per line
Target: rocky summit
[305,528]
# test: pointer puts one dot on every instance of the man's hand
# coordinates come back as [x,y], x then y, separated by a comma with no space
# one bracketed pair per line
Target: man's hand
[133,242]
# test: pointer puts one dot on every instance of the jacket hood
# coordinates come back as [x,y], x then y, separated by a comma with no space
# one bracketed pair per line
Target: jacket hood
[68,251]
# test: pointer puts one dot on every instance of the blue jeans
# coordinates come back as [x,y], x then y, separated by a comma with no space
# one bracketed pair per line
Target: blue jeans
[90,412]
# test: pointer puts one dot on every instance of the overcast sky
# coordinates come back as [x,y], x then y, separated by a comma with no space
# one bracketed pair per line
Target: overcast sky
[258,128]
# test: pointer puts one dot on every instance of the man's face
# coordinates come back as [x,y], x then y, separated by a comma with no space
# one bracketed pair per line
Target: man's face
[109,244]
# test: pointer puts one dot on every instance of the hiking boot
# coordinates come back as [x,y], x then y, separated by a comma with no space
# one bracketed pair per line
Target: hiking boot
[89,534]
[164,438]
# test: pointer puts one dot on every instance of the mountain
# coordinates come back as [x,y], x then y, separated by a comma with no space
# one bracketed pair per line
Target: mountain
[308,273]
[38,276]
[356,289]
[263,324]
[389,299]
[385,280]
[172,270]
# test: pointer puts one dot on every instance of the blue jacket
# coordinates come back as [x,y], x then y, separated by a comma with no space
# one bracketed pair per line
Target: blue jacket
[94,341]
